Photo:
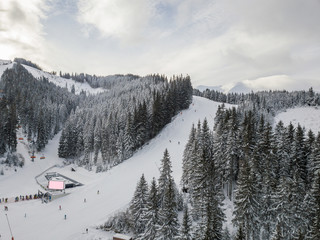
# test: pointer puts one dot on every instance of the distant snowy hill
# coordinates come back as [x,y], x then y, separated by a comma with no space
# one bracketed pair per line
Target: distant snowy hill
[238,87]
[203,87]
[57,80]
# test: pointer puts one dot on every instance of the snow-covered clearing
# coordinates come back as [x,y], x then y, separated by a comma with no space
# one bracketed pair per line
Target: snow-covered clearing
[64,82]
[57,80]
[116,187]
[307,117]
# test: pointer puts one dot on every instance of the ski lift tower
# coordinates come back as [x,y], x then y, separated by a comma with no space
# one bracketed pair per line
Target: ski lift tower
[32,155]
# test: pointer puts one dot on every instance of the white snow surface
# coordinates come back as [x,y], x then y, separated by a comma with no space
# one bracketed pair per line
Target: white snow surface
[307,117]
[116,186]
[4,65]
[64,82]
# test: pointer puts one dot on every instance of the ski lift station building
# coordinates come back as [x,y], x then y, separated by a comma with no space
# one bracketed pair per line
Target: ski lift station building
[57,181]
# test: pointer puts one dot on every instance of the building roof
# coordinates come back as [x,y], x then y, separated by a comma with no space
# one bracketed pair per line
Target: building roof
[122,236]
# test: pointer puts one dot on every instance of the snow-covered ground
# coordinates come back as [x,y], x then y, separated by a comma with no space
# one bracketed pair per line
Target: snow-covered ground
[64,82]
[4,65]
[57,80]
[116,187]
[307,117]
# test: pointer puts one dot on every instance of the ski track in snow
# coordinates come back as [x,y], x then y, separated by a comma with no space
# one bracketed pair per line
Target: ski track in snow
[116,186]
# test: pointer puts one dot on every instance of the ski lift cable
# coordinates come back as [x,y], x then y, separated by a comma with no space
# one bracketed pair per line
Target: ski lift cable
[9,226]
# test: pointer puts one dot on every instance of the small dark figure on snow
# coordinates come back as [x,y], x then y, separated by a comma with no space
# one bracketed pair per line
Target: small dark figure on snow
[59,207]
[65,217]
[98,192]
[85,200]
[86,230]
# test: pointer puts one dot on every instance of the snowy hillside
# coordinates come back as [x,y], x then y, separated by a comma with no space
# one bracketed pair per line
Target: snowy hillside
[307,117]
[4,65]
[116,187]
[63,82]
[59,81]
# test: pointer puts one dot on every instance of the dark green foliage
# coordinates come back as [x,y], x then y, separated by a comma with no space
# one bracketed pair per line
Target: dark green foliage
[240,234]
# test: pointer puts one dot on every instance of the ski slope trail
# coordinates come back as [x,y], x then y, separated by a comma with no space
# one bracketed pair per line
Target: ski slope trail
[36,220]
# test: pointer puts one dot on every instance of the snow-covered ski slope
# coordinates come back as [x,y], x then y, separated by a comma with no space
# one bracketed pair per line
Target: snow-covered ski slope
[116,187]
[307,117]
[57,80]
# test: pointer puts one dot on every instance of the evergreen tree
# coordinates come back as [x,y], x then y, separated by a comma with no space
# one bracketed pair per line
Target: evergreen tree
[277,235]
[240,234]
[187,165]
[207,189]
[169,225]
[185,230]
[138,206]
[165,175]
[226,234]
[314,209]
[152,215]
[246,203]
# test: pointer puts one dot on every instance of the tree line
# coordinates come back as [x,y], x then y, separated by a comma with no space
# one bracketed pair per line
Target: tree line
[108,128]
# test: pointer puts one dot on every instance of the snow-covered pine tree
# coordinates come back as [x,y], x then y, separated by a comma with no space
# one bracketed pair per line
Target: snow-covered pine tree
[300,155]
[226,234]
[277,234]
[283,206]
[152,214]
[268,182]
[240,234]
[246,203]
[138,206]
[168,214]
[207,189]
[165,176]
[309,146]
[187,165]
[314,208]
[186,225]
[315,159]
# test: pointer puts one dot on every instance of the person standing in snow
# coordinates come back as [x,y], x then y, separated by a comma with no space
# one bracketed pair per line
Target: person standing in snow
[65,216]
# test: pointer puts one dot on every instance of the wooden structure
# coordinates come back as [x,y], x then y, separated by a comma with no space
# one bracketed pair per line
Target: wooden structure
[119,236]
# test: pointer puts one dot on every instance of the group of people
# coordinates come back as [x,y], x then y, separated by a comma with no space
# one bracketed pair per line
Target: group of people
[20,198]
[26,197]
[3,200]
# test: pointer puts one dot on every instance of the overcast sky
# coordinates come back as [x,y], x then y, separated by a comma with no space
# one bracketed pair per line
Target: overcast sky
[263,43]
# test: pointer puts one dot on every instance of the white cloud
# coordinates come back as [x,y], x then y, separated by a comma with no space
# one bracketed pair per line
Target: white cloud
[21,31]
[121,19]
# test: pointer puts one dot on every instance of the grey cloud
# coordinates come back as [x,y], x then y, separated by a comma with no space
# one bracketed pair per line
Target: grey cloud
[16,14]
